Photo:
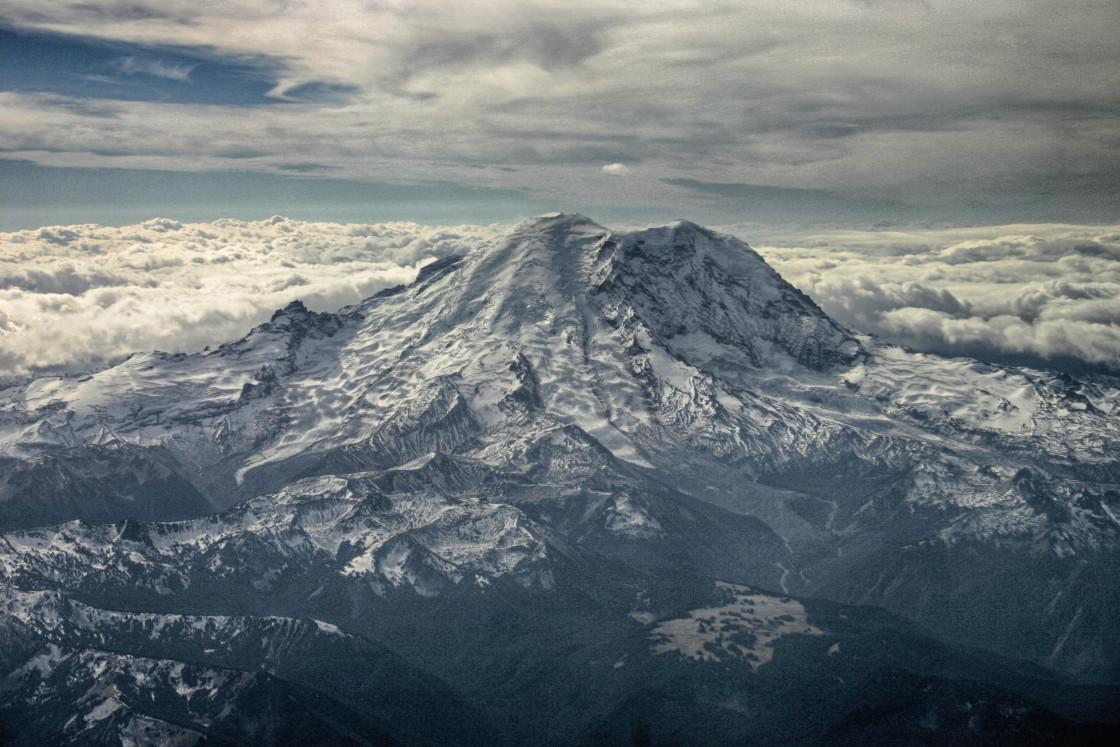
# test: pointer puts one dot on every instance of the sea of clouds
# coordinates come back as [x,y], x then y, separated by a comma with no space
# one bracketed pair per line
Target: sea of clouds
[76,298]
[1047,295]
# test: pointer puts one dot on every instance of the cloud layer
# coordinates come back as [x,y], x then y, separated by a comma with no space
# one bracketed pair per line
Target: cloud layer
[1042,294]
[74,298]
[995,108]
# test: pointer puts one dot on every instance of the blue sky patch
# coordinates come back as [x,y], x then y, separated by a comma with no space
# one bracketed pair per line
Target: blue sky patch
[97,68]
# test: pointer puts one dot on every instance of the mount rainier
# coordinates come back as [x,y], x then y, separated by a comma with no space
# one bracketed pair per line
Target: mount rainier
[576,486]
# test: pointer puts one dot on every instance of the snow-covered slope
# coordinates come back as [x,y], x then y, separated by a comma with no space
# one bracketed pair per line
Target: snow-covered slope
[568,397]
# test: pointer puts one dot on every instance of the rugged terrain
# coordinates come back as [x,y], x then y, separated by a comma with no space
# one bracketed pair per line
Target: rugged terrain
[579,485]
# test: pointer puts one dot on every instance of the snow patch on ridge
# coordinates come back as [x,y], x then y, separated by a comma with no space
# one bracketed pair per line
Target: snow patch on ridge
[744,628]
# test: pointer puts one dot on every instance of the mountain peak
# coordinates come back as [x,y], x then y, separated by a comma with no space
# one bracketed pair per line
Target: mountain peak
[686,225]
[558,221]
[564,271]
[294,309]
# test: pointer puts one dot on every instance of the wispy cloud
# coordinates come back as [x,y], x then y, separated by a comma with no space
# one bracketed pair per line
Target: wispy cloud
[158,68]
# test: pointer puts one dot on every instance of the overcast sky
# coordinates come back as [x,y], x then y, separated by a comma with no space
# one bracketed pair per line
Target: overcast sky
[841,111]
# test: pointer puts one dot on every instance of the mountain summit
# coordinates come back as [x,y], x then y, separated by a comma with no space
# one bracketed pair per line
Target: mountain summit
[573,413]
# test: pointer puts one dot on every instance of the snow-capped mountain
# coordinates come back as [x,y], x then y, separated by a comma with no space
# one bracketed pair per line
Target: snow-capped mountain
[567,413]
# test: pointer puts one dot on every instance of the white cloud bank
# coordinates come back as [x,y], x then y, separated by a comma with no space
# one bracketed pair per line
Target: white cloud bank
[1041,291]
[77,297]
